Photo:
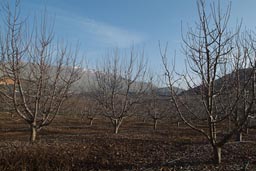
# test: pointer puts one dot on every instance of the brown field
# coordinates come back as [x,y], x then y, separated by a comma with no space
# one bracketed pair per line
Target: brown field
[71,145]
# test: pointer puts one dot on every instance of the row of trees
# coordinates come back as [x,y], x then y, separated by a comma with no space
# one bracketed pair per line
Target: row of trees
[220,77]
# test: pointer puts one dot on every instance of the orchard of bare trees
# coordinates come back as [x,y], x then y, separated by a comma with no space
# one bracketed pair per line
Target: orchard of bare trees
[210,105]
[220,75]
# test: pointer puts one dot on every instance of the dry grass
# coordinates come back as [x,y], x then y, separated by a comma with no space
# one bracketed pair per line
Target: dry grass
[69,144]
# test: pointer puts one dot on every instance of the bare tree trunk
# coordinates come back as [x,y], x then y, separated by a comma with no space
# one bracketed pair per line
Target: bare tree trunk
[229,123]
[248,126]
[213,128]
[33,133]
[217,154]
[144,120]
[247,130]
[214,131]
[178,124]
[117,128]
[117,124]
[24,166]
[239,136]
[155,123]
[91,121]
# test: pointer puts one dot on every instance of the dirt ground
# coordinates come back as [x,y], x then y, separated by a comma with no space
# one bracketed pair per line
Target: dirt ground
[71,144]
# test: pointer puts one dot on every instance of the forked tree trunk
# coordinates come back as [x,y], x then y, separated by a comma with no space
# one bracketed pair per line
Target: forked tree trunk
[116,123]
[217,154]
[33,133]
[117,128]
[91,121]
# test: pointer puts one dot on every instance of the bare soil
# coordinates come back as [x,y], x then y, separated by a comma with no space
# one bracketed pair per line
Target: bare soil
[70,144]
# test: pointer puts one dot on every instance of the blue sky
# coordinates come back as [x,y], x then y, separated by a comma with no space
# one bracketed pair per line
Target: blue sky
[101,25]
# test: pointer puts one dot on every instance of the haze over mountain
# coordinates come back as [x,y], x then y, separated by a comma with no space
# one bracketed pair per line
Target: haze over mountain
[89,79]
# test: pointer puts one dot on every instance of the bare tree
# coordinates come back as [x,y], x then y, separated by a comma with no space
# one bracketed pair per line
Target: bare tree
[91,109]
[156,106]
[41,70]
[209,49]
[243,80]
[119,86]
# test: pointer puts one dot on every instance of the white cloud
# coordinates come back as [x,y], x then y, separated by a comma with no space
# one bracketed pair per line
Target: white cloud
[95,37]
[111,35]
[102,34]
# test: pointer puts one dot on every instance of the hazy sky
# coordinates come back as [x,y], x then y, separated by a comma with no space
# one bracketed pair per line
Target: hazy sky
[101,25]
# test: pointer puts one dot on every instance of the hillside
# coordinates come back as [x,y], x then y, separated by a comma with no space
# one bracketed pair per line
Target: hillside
[165,91]
[226,82]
